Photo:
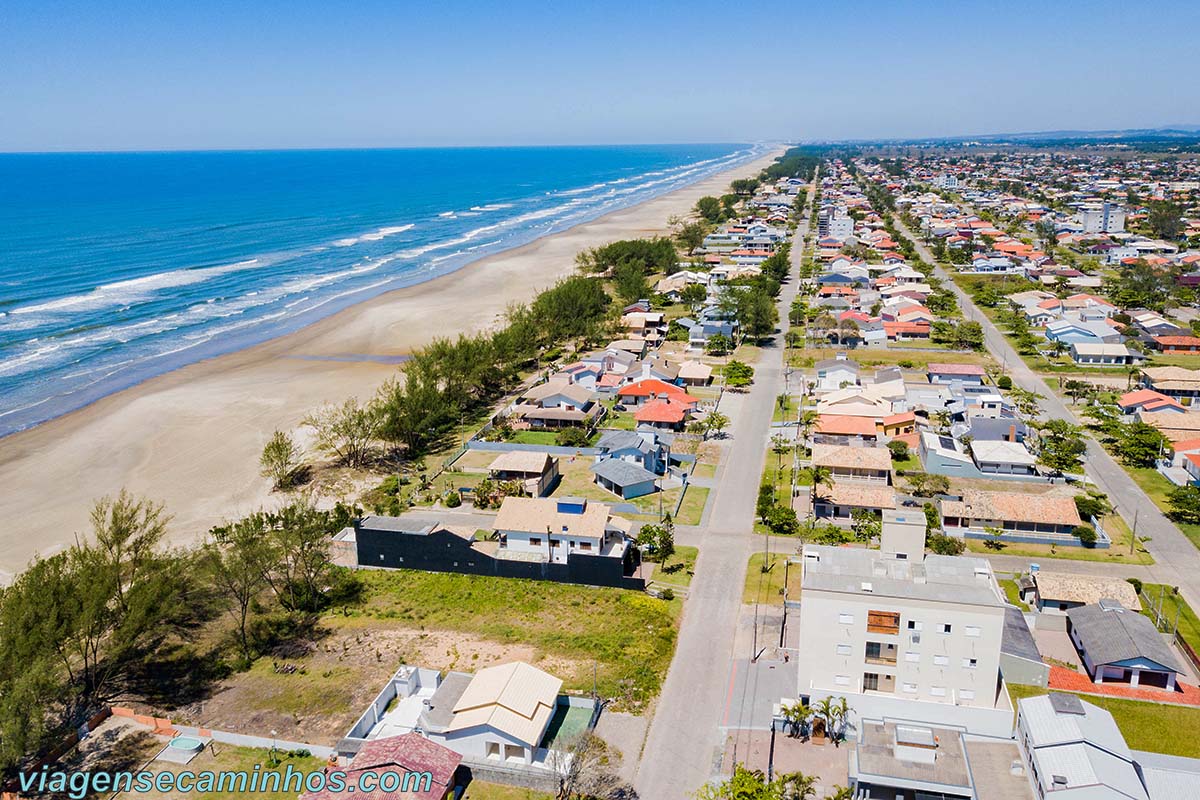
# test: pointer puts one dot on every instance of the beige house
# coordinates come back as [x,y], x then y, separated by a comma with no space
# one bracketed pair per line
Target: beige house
[1062,591]
[849,463]
[536,472]
[552,529]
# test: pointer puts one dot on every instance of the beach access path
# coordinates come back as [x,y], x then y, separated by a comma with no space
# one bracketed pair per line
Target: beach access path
[191,439]
[685,740]
[1177,561]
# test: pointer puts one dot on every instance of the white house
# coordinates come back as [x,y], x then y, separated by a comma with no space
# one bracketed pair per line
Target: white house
[555,527]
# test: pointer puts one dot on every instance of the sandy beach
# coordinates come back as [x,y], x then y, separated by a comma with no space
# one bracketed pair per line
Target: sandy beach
[191,438]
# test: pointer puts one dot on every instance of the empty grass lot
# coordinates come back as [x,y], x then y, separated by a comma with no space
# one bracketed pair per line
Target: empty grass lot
[1157,488]
[1118,553]
[1012,593]
[629,634]
[1174,608]
[231,759]
[678,570]
[478,790]
[1144,725]
[766,587]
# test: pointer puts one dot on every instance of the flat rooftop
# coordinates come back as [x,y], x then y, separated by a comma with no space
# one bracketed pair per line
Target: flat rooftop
[851,570]
[875,760]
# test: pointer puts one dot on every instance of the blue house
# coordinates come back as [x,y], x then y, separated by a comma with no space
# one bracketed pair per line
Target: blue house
[641,448]
[623,478]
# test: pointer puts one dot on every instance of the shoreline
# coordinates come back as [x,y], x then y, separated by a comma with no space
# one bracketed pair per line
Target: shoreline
[190,438]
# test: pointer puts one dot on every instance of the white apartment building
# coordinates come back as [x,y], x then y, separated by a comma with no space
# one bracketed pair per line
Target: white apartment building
[902,635]
[1101,218]
[946,181]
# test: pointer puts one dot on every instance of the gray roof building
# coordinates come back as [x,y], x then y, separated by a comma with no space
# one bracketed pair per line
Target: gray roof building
[1109,633]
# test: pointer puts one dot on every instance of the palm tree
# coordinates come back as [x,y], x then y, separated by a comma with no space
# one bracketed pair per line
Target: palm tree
[841,714]
[797,716]
[797,786]
[820,476]
[824,711]
[841,793]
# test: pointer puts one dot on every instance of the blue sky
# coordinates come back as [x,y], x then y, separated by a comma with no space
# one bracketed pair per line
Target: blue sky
[202,74]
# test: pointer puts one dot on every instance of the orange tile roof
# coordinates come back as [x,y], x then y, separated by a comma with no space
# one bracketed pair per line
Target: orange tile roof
[667,410]
[843,425]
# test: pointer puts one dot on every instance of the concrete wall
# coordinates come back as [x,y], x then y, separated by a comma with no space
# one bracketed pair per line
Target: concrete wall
[1023,671]
[991,722]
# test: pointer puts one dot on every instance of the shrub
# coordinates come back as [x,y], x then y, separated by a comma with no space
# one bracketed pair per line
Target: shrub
[572,437]
[453,499]
[1136,584]
[945,545]
[1086,535]
[667,594]
[899,449]
[1004,382]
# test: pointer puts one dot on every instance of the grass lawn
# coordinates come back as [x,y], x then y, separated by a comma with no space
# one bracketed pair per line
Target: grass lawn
[239,759]
[679,568]
[1118,553]
[704,470]
[1012,593]
[878,356]
[534,437]
[478,790]
[767,587]
[910,463]
[618,420]
[1156,488]
[1174,607]
[629,634]
[692,508]
[1143,724]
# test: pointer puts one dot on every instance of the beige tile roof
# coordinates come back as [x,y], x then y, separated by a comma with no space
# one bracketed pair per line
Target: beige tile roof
[522,461]
[1013,507]
[1183,378]
[836,455]
[514,698]
[541,515]
[1085,588]
[571,391]
[1174,426]
[861,495]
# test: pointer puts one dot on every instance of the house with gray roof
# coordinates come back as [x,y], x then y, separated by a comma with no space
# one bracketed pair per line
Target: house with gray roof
[1118,645]
[644,448]
[624,479]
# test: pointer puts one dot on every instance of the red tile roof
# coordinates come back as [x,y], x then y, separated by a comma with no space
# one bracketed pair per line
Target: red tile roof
[844,425]
[668,410]
[1178,341]
[653,387]
[1146,397]
[408,753]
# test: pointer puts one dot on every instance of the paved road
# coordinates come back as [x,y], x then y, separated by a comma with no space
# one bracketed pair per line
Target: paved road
[1178,560]
[685,738]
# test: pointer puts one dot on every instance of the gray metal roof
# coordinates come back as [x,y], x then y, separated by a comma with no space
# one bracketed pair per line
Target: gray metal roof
[1018,640]
[622,473]
[623,440]
[440,711]
[378,522]
[1110,636]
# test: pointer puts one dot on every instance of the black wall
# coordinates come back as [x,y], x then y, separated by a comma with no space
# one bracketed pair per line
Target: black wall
[443,551]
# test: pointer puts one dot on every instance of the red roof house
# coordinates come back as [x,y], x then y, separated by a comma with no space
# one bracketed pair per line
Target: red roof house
[428,767]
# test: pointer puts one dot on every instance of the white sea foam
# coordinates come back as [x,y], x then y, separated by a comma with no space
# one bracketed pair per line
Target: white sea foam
[122,293]
[492,207]
[373,236]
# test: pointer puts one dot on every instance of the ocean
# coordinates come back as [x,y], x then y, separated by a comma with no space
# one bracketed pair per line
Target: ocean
[115,267]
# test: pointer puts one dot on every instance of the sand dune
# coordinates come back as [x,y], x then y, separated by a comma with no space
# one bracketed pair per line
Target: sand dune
[191,438]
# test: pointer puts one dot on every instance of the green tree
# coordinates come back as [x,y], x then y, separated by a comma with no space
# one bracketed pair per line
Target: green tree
[1184,502]
[346,432]
[280,459]
[1060,445]
[710,208]
[782,520]
[1140,445]
[237,567]
[691,235]
[865,524]
[693,294]
[718,345]
[898,449]
[738,374]
[1165,220]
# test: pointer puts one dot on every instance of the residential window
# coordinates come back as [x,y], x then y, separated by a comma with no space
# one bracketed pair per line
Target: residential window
[967,694]
[843,650]
[585,545]
[883,622]
[910,688]
[845,619]
[970,663]
[914,625]
[946,627]
[941,661]
[937,691]
[535,542]
[842,680]
[912,657]
[972,630]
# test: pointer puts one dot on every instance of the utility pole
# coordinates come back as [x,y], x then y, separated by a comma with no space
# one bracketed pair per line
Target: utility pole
[1133,533]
